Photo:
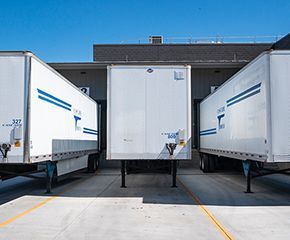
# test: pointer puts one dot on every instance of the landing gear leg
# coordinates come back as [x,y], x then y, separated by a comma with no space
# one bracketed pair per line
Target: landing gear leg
[247,172]
[50,168]
[123,174]
[174,171]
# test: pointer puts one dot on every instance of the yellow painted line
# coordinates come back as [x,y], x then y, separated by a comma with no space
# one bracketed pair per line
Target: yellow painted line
[214,221]
[5,223]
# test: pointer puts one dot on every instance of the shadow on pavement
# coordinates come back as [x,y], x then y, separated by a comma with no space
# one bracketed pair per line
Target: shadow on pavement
[217,189]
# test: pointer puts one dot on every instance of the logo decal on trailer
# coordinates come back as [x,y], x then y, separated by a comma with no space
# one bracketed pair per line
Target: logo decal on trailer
[77,128]
[220,115]
[77,117]
[170,135]
[150,70]
[220,125]
[16,122]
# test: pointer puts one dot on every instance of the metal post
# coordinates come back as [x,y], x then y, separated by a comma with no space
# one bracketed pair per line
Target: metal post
[171,147]
[247,172]
[50,168]
[174,170]
[249,182]
[123,174]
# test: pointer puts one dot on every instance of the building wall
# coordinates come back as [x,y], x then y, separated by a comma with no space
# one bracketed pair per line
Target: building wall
[179,53]
[203,79]
[96,79]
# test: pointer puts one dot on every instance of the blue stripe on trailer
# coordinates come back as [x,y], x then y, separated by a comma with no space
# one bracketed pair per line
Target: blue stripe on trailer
[208,130]
[245,97]
[244,92]
[53,97]
[207,133]
[92,130]
[52,102]
[90,133]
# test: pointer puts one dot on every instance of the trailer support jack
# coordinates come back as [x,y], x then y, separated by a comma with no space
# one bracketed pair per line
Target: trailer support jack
[174,170]
[247,172]
[123,174]
[50,169]
[171,147]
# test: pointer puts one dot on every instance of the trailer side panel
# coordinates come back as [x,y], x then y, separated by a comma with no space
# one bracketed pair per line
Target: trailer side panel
[233,120]
[63,121]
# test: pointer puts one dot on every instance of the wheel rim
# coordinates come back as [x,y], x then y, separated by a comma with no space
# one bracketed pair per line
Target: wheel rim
[202,164]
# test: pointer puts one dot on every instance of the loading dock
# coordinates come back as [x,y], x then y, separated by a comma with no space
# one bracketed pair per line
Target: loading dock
[211,65]
[94,206]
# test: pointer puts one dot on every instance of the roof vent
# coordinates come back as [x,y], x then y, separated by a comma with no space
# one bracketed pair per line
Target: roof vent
[156,39]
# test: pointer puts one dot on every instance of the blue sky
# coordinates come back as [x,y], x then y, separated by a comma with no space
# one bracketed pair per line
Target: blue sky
[65,30]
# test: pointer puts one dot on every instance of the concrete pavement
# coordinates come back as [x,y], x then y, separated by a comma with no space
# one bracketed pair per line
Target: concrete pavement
[93,206]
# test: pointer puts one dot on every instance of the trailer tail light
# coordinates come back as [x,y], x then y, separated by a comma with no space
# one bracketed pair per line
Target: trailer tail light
[17,144]
[181,137]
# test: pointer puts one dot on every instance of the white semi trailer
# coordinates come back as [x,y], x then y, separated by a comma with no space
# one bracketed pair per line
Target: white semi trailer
[148,113]
[248,117]
[46,122]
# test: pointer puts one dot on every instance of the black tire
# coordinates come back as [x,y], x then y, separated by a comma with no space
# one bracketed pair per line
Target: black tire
[97,163]
[93,163]
[212,162]
[200,161]
[205,163]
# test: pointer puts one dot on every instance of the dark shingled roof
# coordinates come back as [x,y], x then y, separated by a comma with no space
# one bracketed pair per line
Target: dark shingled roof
[283,43]
[179,53]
